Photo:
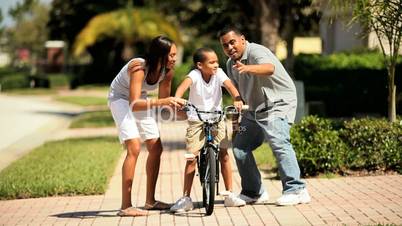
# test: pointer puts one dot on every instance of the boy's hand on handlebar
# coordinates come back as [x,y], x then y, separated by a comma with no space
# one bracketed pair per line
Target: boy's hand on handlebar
[238,104]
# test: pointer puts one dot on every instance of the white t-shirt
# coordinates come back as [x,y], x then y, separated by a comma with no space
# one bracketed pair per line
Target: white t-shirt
[206,96]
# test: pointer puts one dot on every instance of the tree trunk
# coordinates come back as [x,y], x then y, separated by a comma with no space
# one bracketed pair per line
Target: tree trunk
[391,94]
[267,11]
[288,34]
[290,58]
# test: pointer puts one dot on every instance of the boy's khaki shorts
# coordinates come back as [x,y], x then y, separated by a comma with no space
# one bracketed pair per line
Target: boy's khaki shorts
[195,136]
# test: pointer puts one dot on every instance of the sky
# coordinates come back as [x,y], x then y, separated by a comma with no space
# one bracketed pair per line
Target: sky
[5,5]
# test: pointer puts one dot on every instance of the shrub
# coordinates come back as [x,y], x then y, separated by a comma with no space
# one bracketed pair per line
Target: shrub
[328,146]
[373,144]
[14,81]
[318,146]
[5,71]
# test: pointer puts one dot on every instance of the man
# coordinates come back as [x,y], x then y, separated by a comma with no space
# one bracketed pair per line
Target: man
[269,91]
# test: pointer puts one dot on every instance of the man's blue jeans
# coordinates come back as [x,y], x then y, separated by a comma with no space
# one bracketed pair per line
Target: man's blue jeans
[252,135]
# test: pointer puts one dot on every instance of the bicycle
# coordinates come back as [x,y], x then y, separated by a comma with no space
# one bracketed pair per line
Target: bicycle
[208,159]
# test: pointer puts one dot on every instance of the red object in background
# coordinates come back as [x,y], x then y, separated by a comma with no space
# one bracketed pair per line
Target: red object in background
[23,54]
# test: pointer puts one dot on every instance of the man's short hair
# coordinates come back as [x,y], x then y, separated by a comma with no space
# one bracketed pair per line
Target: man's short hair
[228,29]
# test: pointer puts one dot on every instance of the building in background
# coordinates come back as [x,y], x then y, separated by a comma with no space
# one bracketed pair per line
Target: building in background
[5,58]
[55,56]
[337,36]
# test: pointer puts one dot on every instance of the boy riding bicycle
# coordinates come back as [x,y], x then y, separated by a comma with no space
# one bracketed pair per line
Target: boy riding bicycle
[205,82]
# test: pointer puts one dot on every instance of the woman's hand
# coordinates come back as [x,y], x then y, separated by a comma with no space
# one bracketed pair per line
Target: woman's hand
[173,101]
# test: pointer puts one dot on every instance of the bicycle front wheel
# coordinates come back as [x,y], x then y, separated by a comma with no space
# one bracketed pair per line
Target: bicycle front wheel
[208,188]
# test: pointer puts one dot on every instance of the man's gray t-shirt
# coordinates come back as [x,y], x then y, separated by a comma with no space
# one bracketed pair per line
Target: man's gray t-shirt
[268,96]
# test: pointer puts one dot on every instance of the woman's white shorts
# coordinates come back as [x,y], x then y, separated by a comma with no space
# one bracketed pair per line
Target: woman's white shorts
[138,124]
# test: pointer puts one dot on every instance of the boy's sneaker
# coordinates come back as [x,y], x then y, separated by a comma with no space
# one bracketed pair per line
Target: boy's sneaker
[264,197]
[233,201]
[184,204]
[189,156]
[294,198]
[225,193]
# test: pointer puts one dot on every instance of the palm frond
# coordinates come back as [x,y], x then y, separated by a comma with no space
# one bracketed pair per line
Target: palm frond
[128,25]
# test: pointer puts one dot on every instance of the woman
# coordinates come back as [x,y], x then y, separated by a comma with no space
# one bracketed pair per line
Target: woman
[130,108]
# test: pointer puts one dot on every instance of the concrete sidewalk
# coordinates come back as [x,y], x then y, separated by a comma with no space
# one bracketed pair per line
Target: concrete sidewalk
[340,201]
[27,121]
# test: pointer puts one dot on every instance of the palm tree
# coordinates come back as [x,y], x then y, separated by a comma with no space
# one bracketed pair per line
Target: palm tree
[128,25]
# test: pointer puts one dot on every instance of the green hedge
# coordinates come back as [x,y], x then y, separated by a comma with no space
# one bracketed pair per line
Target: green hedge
[326,146]
[347,83]
[5,71]
[306,64]
[14,81]
[318,146]
[18,80]
[373,144]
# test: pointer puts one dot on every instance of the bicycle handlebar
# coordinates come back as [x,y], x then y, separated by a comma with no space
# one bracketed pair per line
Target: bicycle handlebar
[228,110]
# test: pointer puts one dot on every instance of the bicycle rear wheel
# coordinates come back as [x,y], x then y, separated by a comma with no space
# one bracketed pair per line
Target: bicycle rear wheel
[208,187]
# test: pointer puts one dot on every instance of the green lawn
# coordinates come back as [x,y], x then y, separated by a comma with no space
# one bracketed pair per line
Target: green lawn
[93,120]
[99,87]
[83,100]
[264,157]
[67,167]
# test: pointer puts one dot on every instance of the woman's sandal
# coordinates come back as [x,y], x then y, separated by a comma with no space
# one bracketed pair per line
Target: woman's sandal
[158,205]
[132,212]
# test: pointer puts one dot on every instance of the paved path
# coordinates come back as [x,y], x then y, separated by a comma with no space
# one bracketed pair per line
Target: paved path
[340,201]
[27,121]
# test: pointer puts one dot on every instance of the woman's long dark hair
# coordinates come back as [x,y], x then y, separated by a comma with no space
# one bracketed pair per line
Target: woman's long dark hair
[158,53]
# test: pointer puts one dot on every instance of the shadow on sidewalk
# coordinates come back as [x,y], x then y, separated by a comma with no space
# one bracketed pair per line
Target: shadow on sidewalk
[59,113]
[87,214]
[173,145]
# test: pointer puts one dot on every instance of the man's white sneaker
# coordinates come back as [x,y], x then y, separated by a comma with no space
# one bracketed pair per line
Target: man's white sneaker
[233,201]
[262,199]
[184,204]
[301,197]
